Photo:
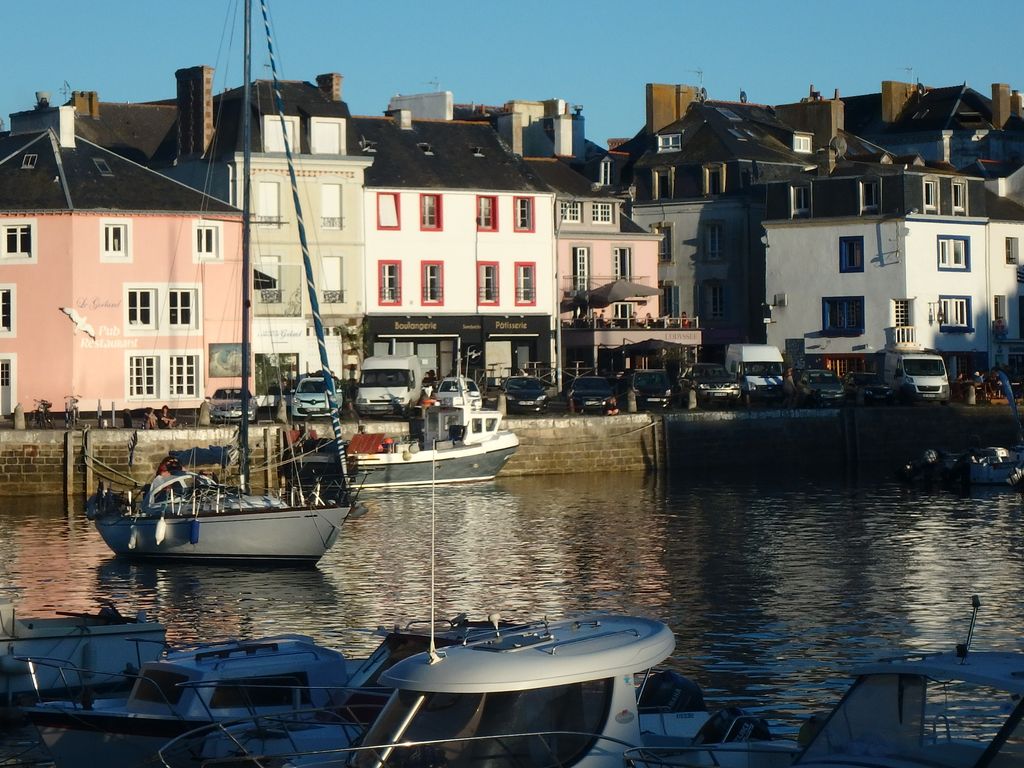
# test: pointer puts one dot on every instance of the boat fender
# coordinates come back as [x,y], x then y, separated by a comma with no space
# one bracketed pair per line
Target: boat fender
[406,455]
[133,538]
[193,531]
[810,729]
[161,530]
[414,447]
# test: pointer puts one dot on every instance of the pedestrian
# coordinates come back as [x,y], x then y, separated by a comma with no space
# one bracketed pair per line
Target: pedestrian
[789,389]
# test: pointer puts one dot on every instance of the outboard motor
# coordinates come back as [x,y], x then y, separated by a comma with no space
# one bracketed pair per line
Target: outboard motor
[925,465]
[669,691]
[732,724]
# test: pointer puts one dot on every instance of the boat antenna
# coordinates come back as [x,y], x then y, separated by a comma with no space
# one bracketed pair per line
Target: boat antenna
[962,649]
[243,423]
[314,304]
[434,657]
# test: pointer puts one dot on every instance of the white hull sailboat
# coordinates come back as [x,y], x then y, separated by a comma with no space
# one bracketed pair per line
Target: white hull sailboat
[188,516]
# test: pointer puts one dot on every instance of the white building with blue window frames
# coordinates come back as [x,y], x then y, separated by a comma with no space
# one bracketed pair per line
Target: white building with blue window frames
[891,253]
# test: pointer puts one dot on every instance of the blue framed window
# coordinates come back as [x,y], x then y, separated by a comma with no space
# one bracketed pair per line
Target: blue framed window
[955,314]
[842,315]
[851,254]
[954,253]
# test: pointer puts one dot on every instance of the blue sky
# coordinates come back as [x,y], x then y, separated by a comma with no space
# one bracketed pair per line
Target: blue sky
[598,54]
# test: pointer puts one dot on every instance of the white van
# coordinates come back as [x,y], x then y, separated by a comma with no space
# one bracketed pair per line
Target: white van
[916,375]
[389,385]
[758,369]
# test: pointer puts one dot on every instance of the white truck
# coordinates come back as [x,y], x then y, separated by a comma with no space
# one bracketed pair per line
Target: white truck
[758,369]
[916,375]
[389,385]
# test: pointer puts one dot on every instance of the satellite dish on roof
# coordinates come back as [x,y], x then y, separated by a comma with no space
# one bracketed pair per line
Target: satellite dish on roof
[743,97]
[839,145]
[703,94]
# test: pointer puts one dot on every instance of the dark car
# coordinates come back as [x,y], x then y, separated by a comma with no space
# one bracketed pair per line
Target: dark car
[652,389]
[817,387]
[525,394]
[867,387]
[711,384]
[591,393]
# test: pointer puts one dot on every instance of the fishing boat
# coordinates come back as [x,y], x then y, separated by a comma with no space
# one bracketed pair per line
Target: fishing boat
[459,444]
[581,692]
[71,651]
[184,515]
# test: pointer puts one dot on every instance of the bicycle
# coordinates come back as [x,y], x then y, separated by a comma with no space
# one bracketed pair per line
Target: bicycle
[70,411]
[41,416]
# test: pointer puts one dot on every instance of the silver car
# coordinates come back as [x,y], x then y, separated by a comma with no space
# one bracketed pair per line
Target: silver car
[226,405]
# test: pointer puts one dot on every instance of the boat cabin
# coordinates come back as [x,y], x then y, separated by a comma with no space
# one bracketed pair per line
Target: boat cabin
[447,423]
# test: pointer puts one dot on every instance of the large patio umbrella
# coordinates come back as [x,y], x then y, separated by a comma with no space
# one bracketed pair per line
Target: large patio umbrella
[649,346]
[619,290]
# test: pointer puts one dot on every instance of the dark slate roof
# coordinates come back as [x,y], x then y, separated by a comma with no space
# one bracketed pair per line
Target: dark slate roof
[560,176]
[721,131]
[145,133]
[1003,208]
[993,169]
[463,155]
[928,110]
[71,179]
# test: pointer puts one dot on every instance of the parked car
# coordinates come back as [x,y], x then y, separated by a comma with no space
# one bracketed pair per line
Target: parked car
[310,398]
[869,386]
[652,389]
[592,393]
[226,405]
[816,387]
[711,383]
[525,394]
[456,389]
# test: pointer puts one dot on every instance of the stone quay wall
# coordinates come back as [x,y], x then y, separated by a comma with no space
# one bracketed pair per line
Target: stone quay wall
[47,462]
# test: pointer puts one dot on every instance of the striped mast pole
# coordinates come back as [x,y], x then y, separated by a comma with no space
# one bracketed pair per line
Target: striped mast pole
[307,262]
[243,422]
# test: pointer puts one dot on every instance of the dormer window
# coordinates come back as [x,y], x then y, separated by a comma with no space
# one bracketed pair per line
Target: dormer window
[670,142]
[931,196]
[802,142]
[801,201]
[102,167]
[606,173]
[273,135]
[28,162]
[714,179]
[327,136]
[959,198]
[869,196]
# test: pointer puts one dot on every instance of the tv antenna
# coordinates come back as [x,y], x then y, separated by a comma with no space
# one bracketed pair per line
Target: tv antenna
[65,90]
[910,73]
[436,83]
[700,76]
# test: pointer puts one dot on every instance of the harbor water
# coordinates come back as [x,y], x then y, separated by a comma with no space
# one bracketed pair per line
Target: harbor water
[774,587]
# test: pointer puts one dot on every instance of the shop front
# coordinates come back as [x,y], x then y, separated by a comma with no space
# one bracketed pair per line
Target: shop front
[488,347]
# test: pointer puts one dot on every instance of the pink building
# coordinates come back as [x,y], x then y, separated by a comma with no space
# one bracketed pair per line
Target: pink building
[117,284]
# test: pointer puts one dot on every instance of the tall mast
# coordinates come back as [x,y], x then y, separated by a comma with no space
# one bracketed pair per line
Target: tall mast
[243,424]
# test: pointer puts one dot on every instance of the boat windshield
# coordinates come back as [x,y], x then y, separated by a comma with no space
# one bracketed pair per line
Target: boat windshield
[160,686]
[916,721]
[539,727]
[923,366]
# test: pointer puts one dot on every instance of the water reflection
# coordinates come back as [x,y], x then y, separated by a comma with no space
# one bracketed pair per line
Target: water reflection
[773,587]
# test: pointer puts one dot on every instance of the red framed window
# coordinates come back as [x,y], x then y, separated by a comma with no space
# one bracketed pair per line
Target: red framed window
[430,213]
[432,281]
[487,283]
[523,207]
[389,210]
[486,213]
[526,283]
[389,282]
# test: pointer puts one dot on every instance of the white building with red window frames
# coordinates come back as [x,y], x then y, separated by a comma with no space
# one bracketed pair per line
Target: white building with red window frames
[459,247]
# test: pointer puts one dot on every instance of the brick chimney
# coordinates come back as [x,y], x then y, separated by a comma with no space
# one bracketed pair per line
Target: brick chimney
[1000,104]
[1016,104]
[402,118]
[86,103]
[895,96]
[825,118]
[667,103]
[330,85]
[195,110]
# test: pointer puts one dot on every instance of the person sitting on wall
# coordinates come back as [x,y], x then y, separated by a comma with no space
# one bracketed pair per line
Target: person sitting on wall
[151,421]
[165,420]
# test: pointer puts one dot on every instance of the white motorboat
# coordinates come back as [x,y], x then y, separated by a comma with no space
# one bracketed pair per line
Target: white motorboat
[460,443]
[185,516]
[72,651]
[962,709]
[578,692]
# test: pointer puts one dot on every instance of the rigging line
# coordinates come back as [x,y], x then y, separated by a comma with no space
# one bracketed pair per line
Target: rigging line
[307,262]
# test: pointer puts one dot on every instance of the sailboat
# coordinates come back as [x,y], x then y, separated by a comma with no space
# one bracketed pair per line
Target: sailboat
[185,515]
